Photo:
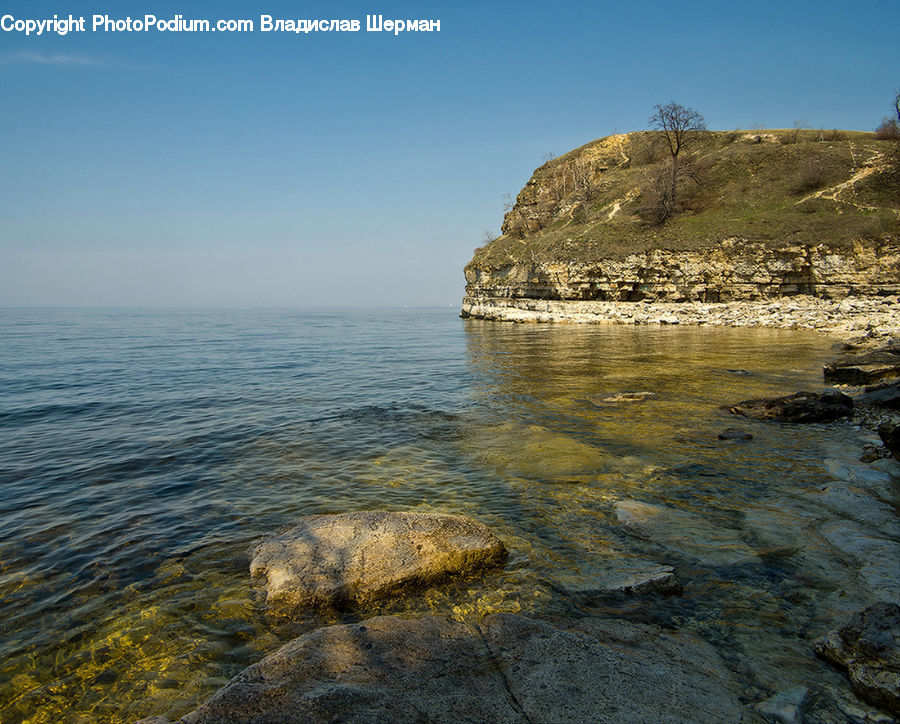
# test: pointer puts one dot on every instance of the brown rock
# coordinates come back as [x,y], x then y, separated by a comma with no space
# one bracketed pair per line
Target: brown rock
[351,558]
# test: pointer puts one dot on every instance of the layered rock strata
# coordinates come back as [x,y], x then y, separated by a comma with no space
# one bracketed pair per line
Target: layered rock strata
[731,270]
[875,318]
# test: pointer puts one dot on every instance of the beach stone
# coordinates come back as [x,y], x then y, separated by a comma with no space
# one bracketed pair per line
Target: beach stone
[349,559]
[799,407]
[868,647]
[634,578]
[507,669]
[732,433]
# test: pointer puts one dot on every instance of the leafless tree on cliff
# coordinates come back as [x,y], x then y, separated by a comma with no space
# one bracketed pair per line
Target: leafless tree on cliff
[557,184]
[584,178]
[679,128]
[678,124]
[890,127]
[798,126]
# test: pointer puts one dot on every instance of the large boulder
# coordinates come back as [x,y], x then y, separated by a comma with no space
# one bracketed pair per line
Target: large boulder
[508,669]
[868,647]
[799,407]
[352,558]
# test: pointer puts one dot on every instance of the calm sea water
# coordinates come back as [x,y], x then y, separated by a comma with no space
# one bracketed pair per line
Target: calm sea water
[142,453]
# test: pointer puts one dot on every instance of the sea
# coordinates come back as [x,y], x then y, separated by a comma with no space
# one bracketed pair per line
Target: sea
[144,451]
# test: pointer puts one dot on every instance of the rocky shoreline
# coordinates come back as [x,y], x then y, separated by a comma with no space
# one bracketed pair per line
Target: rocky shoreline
[512,668]
[868,317]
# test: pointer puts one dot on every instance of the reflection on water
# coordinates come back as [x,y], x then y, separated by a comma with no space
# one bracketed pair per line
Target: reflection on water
[143,453]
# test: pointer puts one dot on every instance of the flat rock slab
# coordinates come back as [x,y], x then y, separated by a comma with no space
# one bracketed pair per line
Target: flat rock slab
[886,395]
[689,534]
[799,407]
[877,558]
[508,669]
[848,501]
[629,577]
[868,647]
[351,558]
[865,368]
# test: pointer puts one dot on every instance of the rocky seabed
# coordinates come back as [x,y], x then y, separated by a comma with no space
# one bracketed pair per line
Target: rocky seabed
[506,667]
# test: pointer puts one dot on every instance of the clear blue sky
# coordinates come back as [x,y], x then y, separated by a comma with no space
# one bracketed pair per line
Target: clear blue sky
[272,169]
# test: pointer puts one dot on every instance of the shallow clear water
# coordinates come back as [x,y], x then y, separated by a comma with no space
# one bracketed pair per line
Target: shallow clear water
[142,453]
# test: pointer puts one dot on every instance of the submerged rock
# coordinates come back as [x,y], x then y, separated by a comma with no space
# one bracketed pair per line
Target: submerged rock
[799,407]
[645,579]
[868,647]
[732,433]
[630,577]
[508,669]
[876,558]
[351,558]
[690,534]
[620,397]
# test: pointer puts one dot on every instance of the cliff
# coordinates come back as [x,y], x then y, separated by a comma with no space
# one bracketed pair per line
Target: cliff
[759,216]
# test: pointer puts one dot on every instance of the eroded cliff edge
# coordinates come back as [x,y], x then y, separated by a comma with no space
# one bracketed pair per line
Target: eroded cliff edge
[765,216]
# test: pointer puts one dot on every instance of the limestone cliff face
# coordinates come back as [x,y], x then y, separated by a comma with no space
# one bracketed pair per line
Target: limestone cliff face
[765,219]
[732,270]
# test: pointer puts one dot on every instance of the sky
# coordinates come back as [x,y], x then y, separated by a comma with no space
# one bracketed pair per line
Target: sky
[274,169]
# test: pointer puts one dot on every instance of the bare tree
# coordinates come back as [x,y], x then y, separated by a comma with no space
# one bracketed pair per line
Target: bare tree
[559,182]
[798,126]
[680,127]
[584,177]
[758,127]
[488,236]
[890,127]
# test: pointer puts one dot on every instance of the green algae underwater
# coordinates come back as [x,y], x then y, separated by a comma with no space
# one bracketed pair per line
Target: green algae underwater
[143,452]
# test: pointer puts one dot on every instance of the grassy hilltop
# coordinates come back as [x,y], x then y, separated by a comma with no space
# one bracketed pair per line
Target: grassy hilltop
[771,186]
